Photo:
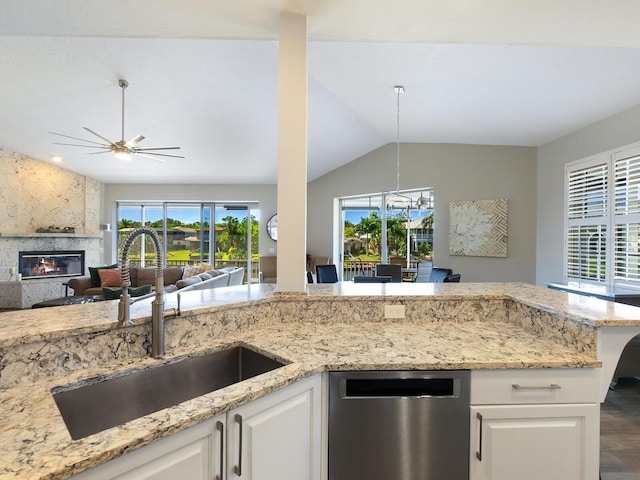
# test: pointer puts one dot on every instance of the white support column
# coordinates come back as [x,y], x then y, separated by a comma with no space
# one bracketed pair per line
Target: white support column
[292,153]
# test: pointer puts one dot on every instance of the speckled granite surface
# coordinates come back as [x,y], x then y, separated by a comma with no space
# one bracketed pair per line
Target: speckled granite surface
[340,327]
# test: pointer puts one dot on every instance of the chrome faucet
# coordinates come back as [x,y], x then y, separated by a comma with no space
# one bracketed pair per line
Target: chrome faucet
[158,313]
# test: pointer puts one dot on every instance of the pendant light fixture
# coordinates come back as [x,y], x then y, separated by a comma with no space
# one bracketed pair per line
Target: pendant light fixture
[398,89]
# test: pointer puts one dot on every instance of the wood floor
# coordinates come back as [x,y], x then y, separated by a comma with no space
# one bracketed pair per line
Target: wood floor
[620,432]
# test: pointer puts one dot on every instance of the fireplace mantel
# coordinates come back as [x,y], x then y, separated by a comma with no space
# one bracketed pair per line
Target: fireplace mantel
[50,235]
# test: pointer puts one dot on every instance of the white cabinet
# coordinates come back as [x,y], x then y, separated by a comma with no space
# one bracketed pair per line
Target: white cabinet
[531,442]
[190,454]
[531,432]
[277,436]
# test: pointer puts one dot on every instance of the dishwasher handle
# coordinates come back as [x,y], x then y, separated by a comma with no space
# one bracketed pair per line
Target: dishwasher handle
[400,387]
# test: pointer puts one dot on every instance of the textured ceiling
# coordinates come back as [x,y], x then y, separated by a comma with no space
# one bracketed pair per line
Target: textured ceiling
[203,75]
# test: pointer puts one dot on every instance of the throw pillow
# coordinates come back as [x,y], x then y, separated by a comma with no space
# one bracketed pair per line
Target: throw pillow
[139,291]
[191,270]
[110,293]
[109,277]
[206,276]
[95,277]
[185,282]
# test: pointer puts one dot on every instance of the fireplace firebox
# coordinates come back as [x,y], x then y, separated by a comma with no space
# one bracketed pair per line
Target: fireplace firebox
[43,264]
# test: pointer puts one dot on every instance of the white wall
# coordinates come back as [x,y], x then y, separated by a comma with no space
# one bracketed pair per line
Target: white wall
[264,195]
[613,132]
[456,172]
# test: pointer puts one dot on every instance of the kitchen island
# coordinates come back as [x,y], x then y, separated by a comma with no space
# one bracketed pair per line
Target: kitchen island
[331,327]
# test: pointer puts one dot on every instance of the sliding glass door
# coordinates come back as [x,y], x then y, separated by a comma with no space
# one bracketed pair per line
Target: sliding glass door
[192,233]
[385,228]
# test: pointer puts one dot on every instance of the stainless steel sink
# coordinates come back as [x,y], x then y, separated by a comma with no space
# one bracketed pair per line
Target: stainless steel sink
[92,408]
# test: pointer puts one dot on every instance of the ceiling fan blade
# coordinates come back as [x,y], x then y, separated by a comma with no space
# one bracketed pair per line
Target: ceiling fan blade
[97,145]
[98,153]
[157,148]
[134,141]
[99,136]
[75,138]
[150,157]
[158,154]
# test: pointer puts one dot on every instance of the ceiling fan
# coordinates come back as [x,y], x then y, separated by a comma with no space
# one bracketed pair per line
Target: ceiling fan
[122,150]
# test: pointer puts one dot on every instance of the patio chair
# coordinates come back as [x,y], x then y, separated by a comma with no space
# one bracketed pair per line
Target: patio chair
[393,270]
[326,274]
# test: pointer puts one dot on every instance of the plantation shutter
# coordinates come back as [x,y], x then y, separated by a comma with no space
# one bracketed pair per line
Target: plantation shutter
[587,204]
[626,248]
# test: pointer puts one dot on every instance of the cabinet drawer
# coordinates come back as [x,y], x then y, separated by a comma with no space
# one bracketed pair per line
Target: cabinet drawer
[527,386]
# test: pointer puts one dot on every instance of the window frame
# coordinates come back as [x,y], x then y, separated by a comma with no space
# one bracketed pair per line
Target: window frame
[611,220]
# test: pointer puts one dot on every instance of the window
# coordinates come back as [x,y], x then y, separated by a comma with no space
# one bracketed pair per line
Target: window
[603,219]
[187,236]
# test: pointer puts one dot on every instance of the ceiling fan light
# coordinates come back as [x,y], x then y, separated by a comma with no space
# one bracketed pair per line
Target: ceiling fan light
[122,154]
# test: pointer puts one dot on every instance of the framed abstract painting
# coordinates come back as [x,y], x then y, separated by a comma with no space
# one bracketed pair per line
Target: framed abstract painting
[478,228]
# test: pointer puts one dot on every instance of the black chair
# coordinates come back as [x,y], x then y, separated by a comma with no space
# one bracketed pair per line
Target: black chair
[392,270]
[369,279]
[453,278]
[326,274]
[438,274]
[309,277]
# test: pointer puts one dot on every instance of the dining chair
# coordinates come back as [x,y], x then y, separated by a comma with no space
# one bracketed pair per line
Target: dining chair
[372,279]
[423,272]
[452,278]
[438,274]
[326,273]
[393,270]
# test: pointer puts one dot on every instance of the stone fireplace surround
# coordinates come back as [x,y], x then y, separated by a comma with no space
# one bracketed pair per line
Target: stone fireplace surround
[27,292]
[34,195]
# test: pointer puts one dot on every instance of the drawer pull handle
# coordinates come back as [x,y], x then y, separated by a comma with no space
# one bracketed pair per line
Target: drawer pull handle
[553,386]
[220,427]
[479,451]
[237,469]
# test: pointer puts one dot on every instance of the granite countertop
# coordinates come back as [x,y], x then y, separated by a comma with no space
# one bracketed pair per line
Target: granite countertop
[464,330]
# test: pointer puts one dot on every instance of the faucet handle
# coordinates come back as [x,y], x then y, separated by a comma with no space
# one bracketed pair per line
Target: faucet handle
[173,312]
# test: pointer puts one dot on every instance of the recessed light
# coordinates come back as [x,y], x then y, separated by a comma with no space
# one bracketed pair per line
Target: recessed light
[56,158]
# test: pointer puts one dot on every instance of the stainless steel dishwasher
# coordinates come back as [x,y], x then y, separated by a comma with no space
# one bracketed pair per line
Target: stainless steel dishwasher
[399,425]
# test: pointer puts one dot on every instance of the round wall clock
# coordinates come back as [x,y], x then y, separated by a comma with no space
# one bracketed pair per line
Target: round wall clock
[272,227]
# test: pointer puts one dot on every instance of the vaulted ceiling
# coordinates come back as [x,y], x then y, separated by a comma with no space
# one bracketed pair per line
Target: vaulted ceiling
[203,75]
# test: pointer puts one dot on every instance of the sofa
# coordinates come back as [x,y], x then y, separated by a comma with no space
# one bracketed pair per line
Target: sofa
[175,278]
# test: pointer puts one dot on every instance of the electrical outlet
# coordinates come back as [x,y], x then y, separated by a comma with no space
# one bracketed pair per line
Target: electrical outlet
[394,311]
